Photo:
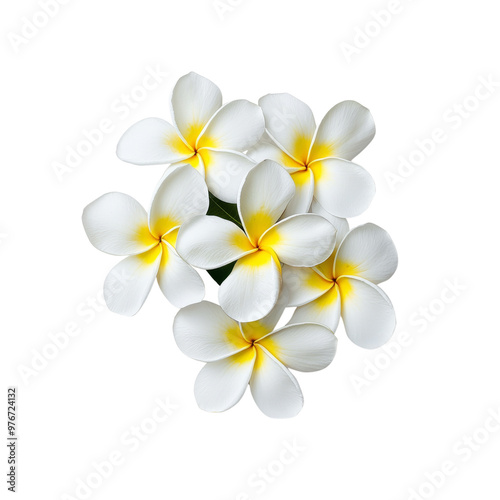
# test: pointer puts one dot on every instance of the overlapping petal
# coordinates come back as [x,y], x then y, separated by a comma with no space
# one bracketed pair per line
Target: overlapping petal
[367,252]
[196,161]
[305,347]
[128,284]
[225,171]
[254,330]
[300,240]
[342,227]
[290,122]
[274,389]
[221,384]
[266,149]
[303,285]
[339,223]
[304,192]
[195,99]
[251,290]
[178,281]
[344,132]
[117,224]
[152,141]
[204,332]
[264,195]
[182,195]
[238,126]
[210,242]
[367,312]
[341,187]
[324,310]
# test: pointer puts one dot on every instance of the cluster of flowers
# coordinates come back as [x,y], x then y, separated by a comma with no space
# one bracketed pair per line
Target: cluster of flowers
[258,196]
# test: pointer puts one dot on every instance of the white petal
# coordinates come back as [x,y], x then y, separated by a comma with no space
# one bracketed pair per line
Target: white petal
[255,330]
[128,284]
[172,168]
[238,126]
[195,161]
[251,290]
[178,281]
[324,310]
[182,195]
[205,332]
[367,252]
[290,122]
[210,242]
[304,284]
[152,141]
[225,171]
[117,224]
[342,188]
[342,227]
[306,347]
[266,149]
[221,384]
[263,197]
[304,190]
[344,132]
[339,223]
[300,240]
[195,99]
[274,388]
[367,312]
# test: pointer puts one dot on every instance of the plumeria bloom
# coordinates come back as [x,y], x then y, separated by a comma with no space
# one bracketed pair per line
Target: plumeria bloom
[346,285]
[117,224]
[252,289]
[205,134]
[317,159]
[239,354]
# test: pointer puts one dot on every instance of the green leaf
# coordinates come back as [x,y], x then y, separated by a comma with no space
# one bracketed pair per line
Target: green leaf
[227,211]
[220,274]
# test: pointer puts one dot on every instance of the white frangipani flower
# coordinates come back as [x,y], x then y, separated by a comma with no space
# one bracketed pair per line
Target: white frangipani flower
[252,289]
[242,354]
[278,189]
[317,159]
[205,134]
[346,285]
[117,224]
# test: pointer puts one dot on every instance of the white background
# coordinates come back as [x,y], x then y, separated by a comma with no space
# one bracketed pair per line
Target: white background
[376,441]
